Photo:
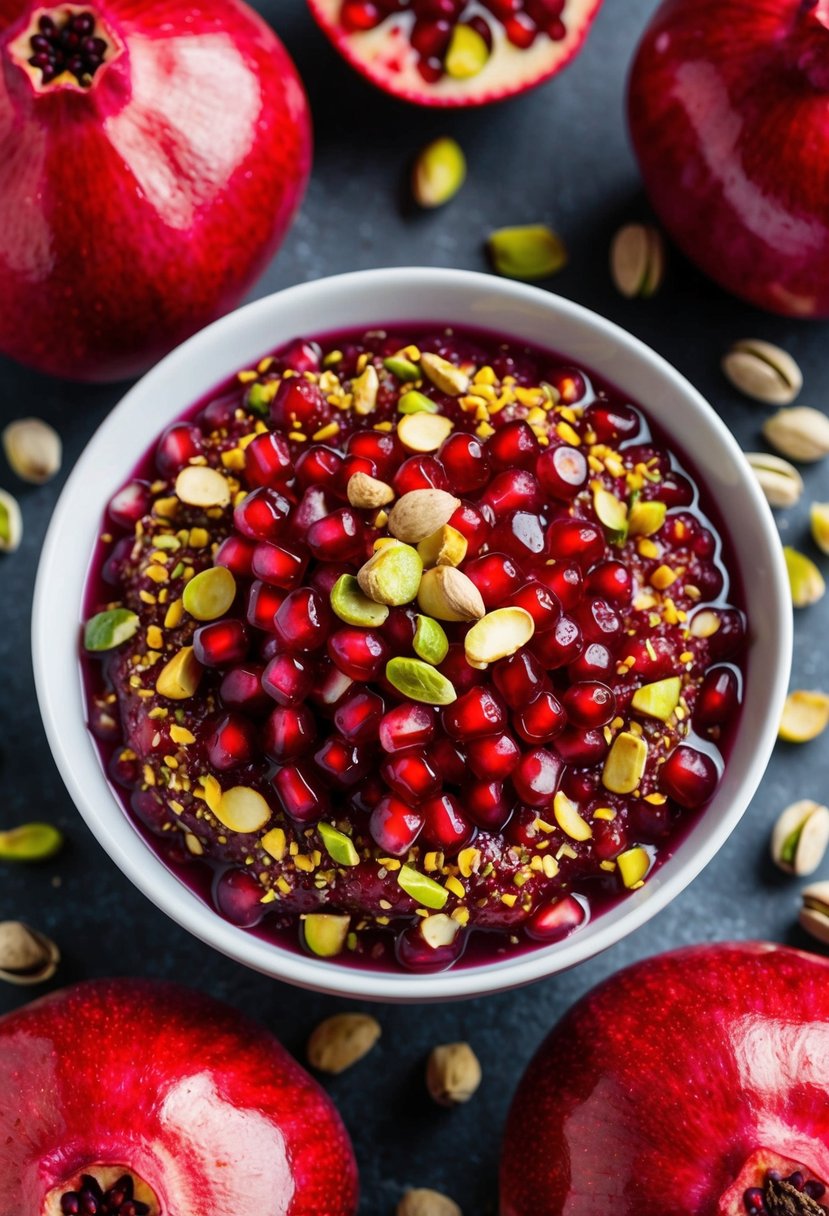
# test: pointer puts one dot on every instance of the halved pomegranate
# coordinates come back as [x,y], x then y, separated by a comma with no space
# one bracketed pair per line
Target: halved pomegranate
[456,52]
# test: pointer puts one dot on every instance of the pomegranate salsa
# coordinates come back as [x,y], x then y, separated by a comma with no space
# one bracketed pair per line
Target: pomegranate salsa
[404,636]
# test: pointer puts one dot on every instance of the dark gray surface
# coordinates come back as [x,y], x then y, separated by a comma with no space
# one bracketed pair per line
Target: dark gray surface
[558,154]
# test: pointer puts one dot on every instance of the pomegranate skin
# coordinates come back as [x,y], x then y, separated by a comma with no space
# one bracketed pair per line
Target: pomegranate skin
[728,115]
[202,1104]
[154,197]
[656,1091]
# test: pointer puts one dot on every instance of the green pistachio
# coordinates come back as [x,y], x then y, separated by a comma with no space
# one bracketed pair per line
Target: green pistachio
[30,842]
[806,581]
[430,641]
[467,53]
[401,367]
[392,575]
[109,629]
[414,402]
[259,397]
[439,172]
[530,252]
[420,682]
[353,607]
[325,934]
[340,847]
[422,888]
[210,593]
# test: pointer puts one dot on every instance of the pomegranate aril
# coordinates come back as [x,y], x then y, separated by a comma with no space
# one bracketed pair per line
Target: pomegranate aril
[562,472]
[394,825]
[575,540]
[513,446]
[730,638]
[513,490]
[281,565]
[221,643]
[581,785]
[581,747]
[399,629]
[599,621]
[357,16]
[410,775]
[496,576]
[675,491]
[268,460]
[589,704]
[493,757]
[342,762]
[318,465]
[263,603]
[536,777]
[413,952]
[288,679]
[554,921]
[231,743]
[458,671]
[611,423]
[650,821]
[519,678]
[261,515]
[471,523]
[359,653]
[718,698]
[431,38]
[367,794]
[301,356]
[179,444]
[565,581]
[358,715]
[131,503]
[477,712]
[446,827]
[652,657]
[611,581]
[688,776]
[340,535]
[237,555]
[521,534]
[241,688]
[466,462]
[329,687]
[302,793]
[420,473]
[541,720]
[304,620]
[610,838]
[238,897]
[289,731]
[298,406]
[406,725]
[312,506]
[521,30]
[560,645]
[540,602]
[382,450]
[594,663]
[487,804]
[447,760]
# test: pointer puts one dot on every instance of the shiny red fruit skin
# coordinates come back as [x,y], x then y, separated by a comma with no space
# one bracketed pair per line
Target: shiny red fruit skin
[153,198]
[750,1017]
[122,1071]
[701,104]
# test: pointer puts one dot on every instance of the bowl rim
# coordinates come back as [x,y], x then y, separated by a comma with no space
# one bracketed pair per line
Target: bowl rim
[61,699]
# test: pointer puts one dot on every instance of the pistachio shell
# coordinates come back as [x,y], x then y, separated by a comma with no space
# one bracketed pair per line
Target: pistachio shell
[800,837]
[625,763]
[30,842]
[498,634]
[763,371]
[26,956]
[419,681]
[210,593]
[439,172]
[11,523]
[430,641]
[106,630]
[530,252]
[801,433]
[637,260]
[325,934]
[424,1202]
[420,513]
[354,607]
[200,486]
[780,481]
[814,914]
[449,595]
[340,847]
[341,1041]
[33,449]
[422,888]
[805,580]
[368,492]
[391,575]
[445,547]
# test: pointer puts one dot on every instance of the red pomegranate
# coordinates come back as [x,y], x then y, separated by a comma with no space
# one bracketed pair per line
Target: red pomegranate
[137,1098]
[151,159]
[728,113]
[456,52]
[695,1083]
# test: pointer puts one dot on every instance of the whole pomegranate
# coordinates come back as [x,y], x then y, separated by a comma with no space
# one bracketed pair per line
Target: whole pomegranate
[137,1098]
[151,159]
[695,1083]
[729,119]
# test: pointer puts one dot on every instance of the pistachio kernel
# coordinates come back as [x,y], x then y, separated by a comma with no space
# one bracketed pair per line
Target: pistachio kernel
[180,677]
[200,486]
[805,580]
[242,809]
[439,930]
[467,53]
[106,630]
[530,252]
[445,547]
[340,848]
[414,402]
[800,837]
[422,888]
[420,681]
[430,642]
[633,865]
[498,634]
[637,260]
[646,518]
[364,390]
[424,432]
[11,523]
[352,606]
[445,376]
[402,368]
[625,763]
[659,699]
[33,449]
[391,575]
[453,1074]
[210,593]
[424,1202]
[567,817]
[805,716]
[763,371]
[325,934]
[819,520]
[30,842]
[341,1041]
[439,172]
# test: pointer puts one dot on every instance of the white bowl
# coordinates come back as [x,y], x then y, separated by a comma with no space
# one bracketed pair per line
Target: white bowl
[368,299]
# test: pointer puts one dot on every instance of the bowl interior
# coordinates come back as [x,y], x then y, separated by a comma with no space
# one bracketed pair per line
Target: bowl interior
[370,299]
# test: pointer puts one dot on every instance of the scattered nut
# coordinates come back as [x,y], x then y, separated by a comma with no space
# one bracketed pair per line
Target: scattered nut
[419,681]
[391,575]
[179,678]
[364,390]
[33,449]
[805,580]
[425,890]
[420,513]
[422,432]
[814,914]
[30,842]
[200,486]
[566,813]
[445,376]
[637,260]
[439,172]
[368,492]
[805,716]
[11,523]
[324,934]
[242,809]
[341,1041]
[210,593]
[423,1202]
[453,1073]
[633,866]
[780,481]
[800,837]
[26,956]
[467,53]
[704,624]
[111,628]
[625,763]
[800,433]
[446,547]
[498,634]
[355,608]
[448,594]
[439,930]
[530,252]
[819,518]
[763,371]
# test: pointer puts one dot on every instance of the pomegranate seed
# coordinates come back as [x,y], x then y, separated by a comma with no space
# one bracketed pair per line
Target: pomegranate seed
[471,522]
[341,761]
[610,838]
[298,406]
[289,731]
[318,465]
[288,679]
[520,534]
[560,645]
[219,414]
[221,643]
[231,743]
[521,31]
[557,920]
[130,504]
[431,38]
[649,822]
[457,670]
[368,793]
[241,688]
[730,638]
[541,720]
[536,776]
[350,466]
[513,490]
[513,446]
[359,653]
[394,826]
[487,804]
[446,759]
[575,540]
[466,462]
[599,621]
[675,491]
[304,620]
[540,602]
[407,725]
[446,826]
[330,686]
[688,776]
[580,786]
[339,535]
[113,568]
[399,629]
[565,581]
[718,698]
[589,704]
[358,715]
[611,581]
[302,356]
[611,423]
[493,757]
[581,747]
[280,565]
[413,952]
[653,658]
[301,793]
[496,576]
[477,712]
[179,444]
[569,383]
[357,16]
[262,514]
[410,775]
[595,662]
[519,678]
[268,460]
[237,555]
[562,472]
[420,473]
[238,897]
[263,603]
[312,506]
[382,450]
